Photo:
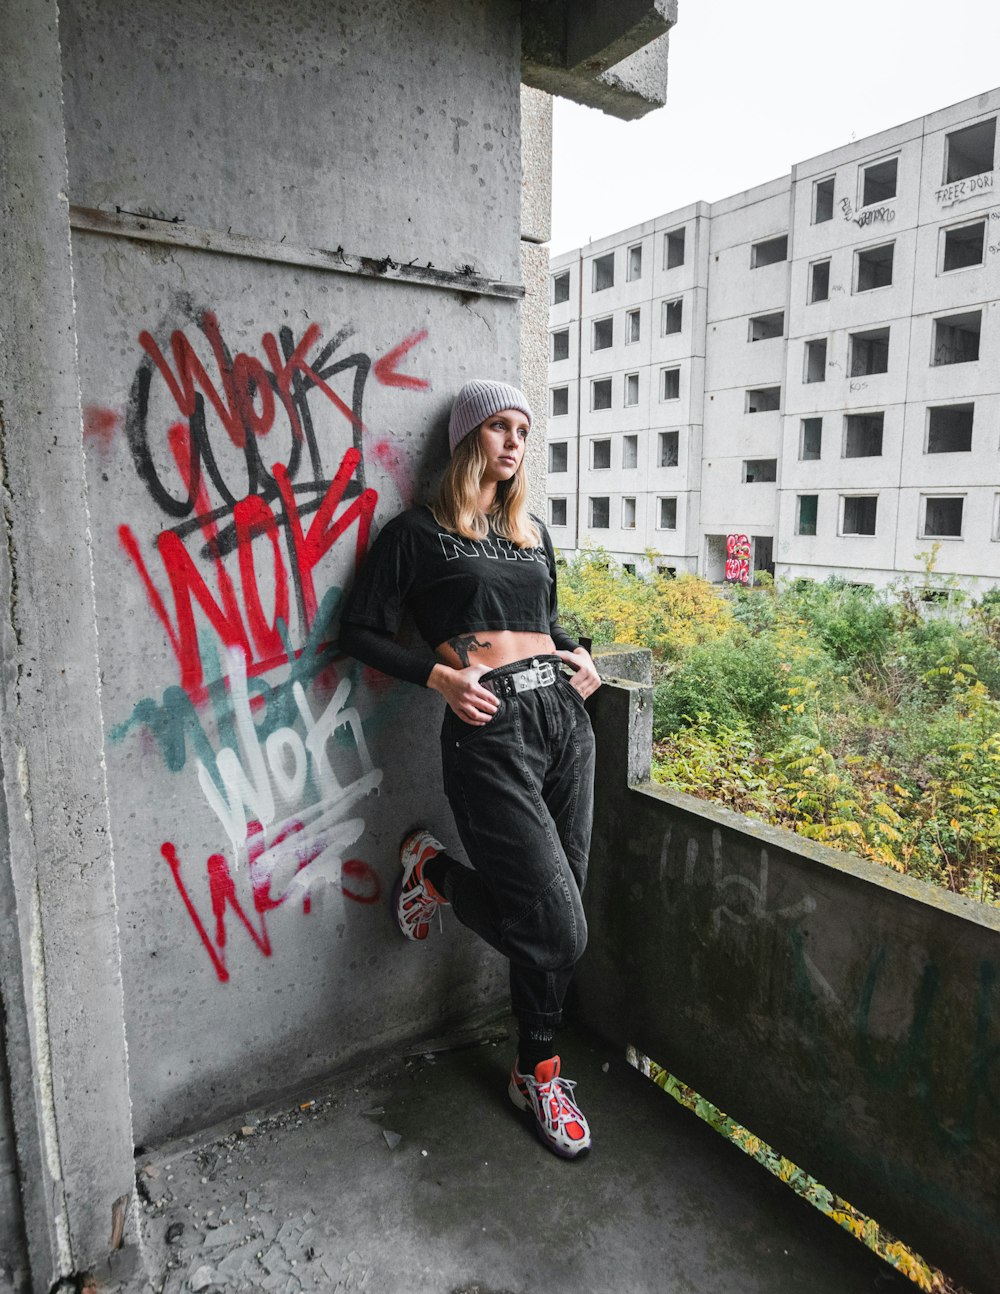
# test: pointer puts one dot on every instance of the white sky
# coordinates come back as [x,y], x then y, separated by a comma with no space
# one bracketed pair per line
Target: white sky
[756,85]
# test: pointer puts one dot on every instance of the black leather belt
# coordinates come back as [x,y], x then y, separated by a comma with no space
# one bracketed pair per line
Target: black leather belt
[539,674]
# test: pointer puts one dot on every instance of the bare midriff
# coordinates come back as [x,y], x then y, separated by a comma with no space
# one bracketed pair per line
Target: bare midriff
[493,648]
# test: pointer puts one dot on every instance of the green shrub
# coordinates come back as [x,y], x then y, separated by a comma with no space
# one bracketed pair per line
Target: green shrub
[855,624]
[736,681]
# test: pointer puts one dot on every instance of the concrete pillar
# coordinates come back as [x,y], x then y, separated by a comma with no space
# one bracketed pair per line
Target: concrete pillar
[536,229]
[59,961]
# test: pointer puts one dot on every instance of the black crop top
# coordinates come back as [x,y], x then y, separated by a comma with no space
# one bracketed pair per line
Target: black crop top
[451,586]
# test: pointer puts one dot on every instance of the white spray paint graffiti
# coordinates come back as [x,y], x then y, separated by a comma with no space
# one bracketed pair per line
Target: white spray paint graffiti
[257,778]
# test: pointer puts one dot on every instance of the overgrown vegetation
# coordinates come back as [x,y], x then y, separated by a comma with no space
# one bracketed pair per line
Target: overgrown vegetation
[869,720]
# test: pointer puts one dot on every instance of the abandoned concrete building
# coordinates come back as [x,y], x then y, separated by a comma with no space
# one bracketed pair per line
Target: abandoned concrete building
[811,364]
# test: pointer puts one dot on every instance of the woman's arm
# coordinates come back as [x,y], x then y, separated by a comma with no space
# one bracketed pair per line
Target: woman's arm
[379,649]
[460,687]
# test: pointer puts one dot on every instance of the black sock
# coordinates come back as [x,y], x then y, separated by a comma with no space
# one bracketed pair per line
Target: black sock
[534,1046]
[436,870]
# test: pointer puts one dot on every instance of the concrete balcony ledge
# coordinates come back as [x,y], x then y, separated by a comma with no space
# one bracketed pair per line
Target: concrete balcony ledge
[848,1016]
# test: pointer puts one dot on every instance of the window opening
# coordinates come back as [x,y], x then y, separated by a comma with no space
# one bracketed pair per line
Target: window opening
[668,514]
[823,201]
[949,429]
[632,326]
[763,399]
[600,454]
[970,151]
[808,507]
[600,513]
[673,316]
[630,451]
[819,281]
[674,248]
[956,338]
[869,352]
[604,272]
[769,252]
[560,288]
[879,182]
[669,448]
[874,267]
[628,517]
[964,246]
[860,511]
[863,435]
[756,470]
[604,333]
[671,384]
[764,327]
[631,389]
[810,439]
[815,361]
[560,345]
[559,456]
[634,263]
[943,518]
[601,393]
[560,401]
[557,512]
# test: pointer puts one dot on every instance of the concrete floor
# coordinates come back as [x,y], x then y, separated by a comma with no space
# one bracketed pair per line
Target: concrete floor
[424,1178]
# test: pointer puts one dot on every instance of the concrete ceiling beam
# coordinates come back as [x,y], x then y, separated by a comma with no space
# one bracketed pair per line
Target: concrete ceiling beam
[608,57]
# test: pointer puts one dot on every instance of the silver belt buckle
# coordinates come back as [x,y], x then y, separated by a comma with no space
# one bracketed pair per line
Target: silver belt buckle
[539,675]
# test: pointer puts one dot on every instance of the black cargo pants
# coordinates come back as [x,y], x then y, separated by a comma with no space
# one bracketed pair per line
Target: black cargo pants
[521,789]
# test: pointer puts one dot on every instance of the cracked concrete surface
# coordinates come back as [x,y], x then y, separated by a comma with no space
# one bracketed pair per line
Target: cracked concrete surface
[424,1178]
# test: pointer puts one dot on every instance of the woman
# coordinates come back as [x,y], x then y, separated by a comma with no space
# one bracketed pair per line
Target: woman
[477,572]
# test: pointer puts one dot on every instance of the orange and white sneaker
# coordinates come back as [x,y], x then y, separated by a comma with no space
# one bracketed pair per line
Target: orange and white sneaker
[559,1122]
[414,900]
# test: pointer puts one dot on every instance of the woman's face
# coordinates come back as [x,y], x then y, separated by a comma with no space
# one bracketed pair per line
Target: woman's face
[502,438]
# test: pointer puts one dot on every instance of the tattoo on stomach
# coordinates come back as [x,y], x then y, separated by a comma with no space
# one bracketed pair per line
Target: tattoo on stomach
[464,645]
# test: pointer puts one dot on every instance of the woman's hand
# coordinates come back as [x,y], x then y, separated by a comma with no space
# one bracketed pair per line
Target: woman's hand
[472,703]
[586,679]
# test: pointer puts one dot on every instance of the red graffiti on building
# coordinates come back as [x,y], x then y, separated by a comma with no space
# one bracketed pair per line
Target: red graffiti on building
[249,628]
[738,559]
[359,882]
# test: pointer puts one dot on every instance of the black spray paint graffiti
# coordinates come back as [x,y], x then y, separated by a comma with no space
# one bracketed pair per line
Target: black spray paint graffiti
[870,216]
[254,403]
[962,189]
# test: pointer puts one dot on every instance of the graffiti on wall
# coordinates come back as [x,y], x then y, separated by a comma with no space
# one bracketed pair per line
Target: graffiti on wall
[869,216]
[737,559]
[949,194]
[264,508]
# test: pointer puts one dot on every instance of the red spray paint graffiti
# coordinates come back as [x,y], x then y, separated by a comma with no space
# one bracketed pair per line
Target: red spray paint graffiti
[738,559]
[221,417]
[359,883]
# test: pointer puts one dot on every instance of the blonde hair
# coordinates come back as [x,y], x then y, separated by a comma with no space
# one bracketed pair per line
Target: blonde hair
[456,507]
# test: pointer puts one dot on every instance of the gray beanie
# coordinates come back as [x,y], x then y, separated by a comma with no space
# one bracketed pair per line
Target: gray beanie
[479,400]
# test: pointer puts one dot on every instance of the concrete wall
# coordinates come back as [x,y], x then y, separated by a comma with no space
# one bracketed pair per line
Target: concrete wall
[848,1015]
[256,825]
